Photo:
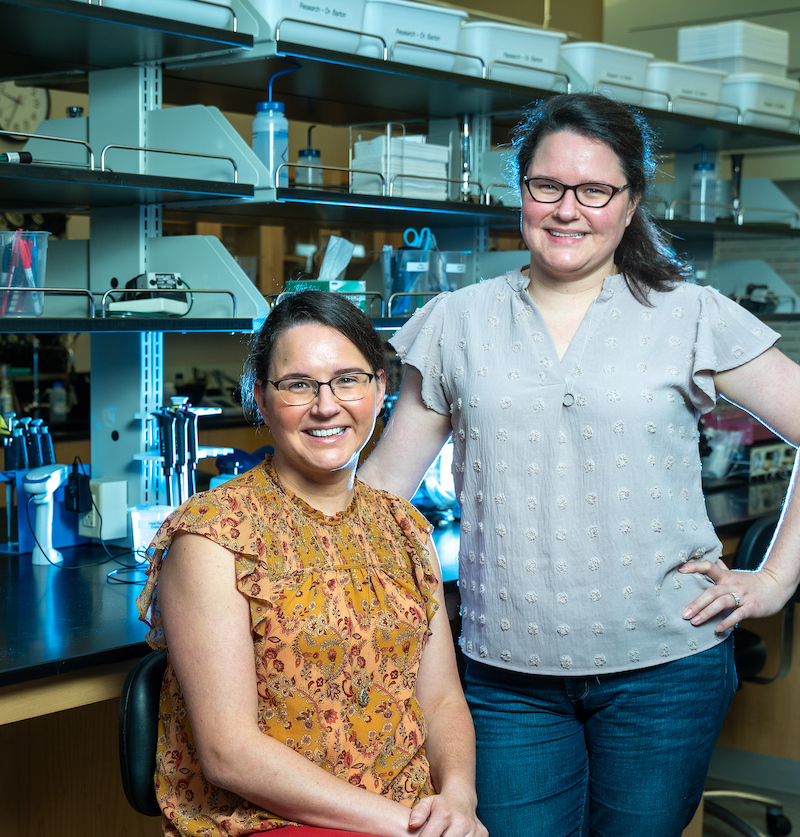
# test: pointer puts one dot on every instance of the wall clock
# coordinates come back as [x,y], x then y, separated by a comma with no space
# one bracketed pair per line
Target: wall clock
[21,109]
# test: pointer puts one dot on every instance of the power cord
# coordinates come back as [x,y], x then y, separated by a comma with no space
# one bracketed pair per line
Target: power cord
[49,560]
[116,576]
[112,576]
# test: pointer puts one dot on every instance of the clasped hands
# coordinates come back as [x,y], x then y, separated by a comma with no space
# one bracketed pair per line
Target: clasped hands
[443,816]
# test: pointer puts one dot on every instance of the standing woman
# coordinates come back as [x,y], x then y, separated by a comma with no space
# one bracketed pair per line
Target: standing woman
[311,685]
[596,613]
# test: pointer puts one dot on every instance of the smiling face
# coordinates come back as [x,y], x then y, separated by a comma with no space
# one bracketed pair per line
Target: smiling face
[568,241]
[317,444]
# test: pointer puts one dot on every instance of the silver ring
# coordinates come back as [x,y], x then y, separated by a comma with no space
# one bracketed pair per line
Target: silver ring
[736,599]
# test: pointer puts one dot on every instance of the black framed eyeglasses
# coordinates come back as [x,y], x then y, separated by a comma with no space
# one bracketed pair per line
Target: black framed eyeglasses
[352,386]
[593,195]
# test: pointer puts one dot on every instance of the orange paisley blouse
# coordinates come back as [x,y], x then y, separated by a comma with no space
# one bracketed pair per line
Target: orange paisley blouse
[339,609]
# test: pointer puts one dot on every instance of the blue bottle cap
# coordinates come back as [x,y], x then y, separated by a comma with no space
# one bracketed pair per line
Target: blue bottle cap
[266,107]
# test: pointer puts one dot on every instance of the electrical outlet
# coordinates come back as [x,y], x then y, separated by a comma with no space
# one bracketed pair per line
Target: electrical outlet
[766,460]
[108,516]
[787,460]
[89,522]
[762,460]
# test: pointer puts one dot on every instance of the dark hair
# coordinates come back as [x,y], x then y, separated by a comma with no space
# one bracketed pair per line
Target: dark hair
[644,256]
[320,307]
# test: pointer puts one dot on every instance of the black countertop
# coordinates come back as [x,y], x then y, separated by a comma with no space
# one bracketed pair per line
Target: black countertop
[57,620]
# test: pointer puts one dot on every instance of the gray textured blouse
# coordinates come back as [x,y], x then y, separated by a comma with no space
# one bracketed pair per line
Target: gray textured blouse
[579,480]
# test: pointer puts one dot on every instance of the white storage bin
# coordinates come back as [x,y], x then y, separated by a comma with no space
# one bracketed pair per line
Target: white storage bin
[613,70]
[186,11]
[512,54]
[418,26]
[683,84]
[767,101]
[299,21]
[736,46]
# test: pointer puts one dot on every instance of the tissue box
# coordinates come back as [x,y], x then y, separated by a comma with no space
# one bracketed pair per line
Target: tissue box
[354,290]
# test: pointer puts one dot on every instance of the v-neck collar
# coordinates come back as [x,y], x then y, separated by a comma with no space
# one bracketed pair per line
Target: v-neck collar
[588,326]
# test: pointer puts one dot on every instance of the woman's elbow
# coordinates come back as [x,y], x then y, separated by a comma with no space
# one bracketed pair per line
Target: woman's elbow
[218,767]
[221,760]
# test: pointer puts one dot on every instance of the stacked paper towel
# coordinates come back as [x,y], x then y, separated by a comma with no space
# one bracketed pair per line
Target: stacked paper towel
[756,58]
[412,167]
[735,46]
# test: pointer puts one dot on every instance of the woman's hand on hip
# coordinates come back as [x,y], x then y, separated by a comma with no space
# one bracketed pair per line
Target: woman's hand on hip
[737,594]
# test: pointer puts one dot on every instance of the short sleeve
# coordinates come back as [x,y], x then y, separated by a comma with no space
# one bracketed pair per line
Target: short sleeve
[727,336]
[225,516]
[421,344]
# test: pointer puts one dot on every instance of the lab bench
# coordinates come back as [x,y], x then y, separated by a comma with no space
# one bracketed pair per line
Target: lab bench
[68,637]
[61,620]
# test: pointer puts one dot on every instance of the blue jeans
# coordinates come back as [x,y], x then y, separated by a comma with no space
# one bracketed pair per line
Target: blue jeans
[616,755]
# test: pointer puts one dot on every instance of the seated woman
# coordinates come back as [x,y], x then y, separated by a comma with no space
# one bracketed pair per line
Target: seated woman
[311,680]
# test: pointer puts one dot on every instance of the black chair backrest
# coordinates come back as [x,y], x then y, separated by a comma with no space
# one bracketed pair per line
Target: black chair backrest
[138,732]
[755,541]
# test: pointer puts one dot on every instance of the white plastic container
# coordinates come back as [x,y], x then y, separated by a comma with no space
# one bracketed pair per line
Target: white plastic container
[614,71]
[145,522]
[703,193]
[59,408]
[415,33]
[453,267]
[333,25]
[311,178]
[736,46]
[683,85]
[7,399]
[271,140]
[512,54]
[766,101]
[186,11]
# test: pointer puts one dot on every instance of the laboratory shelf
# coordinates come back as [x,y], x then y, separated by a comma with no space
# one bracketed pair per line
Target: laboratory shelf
[342,89]
[301,206]
[339,88]
[32,188]
[65,37]
[679,132]
[115,325]
[388,325]
[698,231]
